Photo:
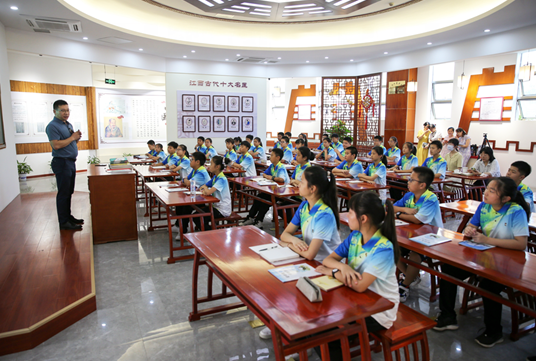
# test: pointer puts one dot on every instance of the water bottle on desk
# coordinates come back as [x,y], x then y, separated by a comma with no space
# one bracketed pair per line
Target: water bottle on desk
[192,188]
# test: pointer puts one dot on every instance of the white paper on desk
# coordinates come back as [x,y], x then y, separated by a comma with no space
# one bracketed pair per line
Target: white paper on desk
[168,186]
[357,181]
[142,157]
[399,222]
[260,179]
[119,170]
[294,272]
[159,167]
[267,183]
[264,247]
[197,192]
[343,179]
[176,189]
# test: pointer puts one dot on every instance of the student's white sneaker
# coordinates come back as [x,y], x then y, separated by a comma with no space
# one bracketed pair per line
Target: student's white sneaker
[248,222]
[178,238]
[175,229]
[265,333]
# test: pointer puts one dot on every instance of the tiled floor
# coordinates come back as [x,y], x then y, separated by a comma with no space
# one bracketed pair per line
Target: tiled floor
[143,304]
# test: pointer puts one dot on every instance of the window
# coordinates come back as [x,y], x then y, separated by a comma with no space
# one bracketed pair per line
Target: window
[526,101]
[442,86]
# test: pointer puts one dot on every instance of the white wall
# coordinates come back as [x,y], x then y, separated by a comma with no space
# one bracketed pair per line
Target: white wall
[9,185]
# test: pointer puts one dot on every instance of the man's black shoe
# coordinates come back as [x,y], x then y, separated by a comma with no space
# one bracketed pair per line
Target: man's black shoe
[70,226]
[75,221]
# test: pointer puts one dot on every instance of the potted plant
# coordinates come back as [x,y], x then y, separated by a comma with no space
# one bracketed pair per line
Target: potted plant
[24,169]
[93,160]
[339,128]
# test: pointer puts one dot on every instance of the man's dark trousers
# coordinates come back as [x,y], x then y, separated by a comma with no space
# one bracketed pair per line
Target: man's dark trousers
[65,171]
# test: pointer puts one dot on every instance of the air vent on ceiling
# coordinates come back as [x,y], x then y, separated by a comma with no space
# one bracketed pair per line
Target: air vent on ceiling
[45,31]
[53,24]
[115,40]
[250,60]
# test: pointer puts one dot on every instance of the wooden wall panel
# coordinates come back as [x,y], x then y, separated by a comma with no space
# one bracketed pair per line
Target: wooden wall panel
[88,92]
[400,108]
[295,93]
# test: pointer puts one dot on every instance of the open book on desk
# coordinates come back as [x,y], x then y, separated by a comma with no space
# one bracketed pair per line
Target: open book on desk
[477,246]
[430,239]
[275,254]
[159,167]
[176,189]
[267,183]
[294,272]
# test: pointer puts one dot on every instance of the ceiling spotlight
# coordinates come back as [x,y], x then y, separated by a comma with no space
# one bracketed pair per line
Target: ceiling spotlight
[193,51]
[226,59]
[307,61]
[428,43]
[327,57]
[184,56]
[85,38]
[14,8]
[140,49]
[237,54]
[351,59]
[385,52]
[279,58]
[487,30]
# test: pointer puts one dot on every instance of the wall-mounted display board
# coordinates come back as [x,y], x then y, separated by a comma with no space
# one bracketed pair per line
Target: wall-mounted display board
[125,117]
[216,114]
[33,111]
[491,108]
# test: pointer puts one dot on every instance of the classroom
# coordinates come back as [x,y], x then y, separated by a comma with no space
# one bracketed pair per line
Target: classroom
[267,180]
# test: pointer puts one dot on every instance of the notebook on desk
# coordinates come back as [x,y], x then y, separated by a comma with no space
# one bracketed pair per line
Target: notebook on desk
[327,283]
[430,239]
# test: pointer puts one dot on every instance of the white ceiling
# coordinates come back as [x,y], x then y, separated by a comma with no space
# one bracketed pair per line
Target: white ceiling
[518,14]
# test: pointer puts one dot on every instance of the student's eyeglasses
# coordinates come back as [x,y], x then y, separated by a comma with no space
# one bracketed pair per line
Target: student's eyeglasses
[414,180]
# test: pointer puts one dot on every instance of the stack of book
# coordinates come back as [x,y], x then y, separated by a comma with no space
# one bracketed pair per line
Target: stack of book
[120,164]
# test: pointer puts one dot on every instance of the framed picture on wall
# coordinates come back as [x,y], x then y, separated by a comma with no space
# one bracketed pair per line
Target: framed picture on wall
[188,103]
[247,104]
[2,134]
[233,104]
[491,108]
[204,123]
[218,103]
[188,123]
[203,103]
[233,124]
[247,124]
[219,123]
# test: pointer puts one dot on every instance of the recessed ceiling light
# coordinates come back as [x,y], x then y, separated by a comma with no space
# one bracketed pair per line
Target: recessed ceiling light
[265,62]
[351,59]
[193,51]
[226,59]
[327,57]
[14,8]
[386,52]
[237,54]
[85,38]
[184,56]
[279,58]
[307,61]
[487,30]
[140,49]
[428,43]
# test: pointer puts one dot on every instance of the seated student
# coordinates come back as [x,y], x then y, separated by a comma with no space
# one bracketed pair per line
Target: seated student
[453,158]
[289,136]
[249,139]
[328,153]
[393,153]
[335,142]
[183,164]
[350,167]
[287,152]
[210,152]
[200,147]
[419,206]
[378,142]
[316,217]
[408,161]
[151,153]
[346,142]
[160,155]
[376,171]
[299,143]
[487,164]
[518,171]
[172,159]
[371,251]
[321,146]
[278,143]
[230,153]
[245,160]
[237,143]
[257,150]
[276,172]
[304,137]
[435,162]
[503,219]
[303,155]
[200,175]
[218,187]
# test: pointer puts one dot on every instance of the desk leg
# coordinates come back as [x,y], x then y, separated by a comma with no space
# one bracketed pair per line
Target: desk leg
[212,216]
[145,190]
[278,344]
[463,223]
[364,342]
[276,216]
[464,187]
[195,275]
[151,228]
[171,259]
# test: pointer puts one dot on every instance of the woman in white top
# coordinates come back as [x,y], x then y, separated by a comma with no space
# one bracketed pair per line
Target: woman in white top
[434,134]
[487,164]
[465,145]
[450,135]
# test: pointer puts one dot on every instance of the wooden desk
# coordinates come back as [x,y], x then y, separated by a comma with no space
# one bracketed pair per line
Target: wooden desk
[265,164]
[135,161]
[514,269]
[113,204]
[400,181]
[146,172]
[168,200]
[348,189]
[324,164]
[467,187]
[293,320]
[274,192]
[368,160]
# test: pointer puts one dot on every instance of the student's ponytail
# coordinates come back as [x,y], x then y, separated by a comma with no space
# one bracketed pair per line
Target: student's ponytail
[218,162]
[519,199]
[369,204]
[259,140]
[379,151]
[508,188]
[185,149]
[326,184]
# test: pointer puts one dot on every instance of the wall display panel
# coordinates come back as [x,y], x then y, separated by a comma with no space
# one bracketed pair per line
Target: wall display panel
[217,115]
[130,118]
[33,111]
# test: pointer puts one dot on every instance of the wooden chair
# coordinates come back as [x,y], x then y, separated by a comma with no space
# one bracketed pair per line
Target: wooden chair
[226,222]
[408,331]
[434,280]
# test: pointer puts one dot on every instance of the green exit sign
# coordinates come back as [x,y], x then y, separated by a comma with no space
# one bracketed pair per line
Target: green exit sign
[109,81]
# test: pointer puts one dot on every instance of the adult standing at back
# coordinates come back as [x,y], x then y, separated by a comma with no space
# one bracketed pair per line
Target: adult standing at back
[465,145]
[422,146]
[63,140]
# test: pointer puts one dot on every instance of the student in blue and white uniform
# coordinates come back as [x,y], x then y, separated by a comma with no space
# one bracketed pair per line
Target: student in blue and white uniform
[303,155]
[419,206]
[335,143]
[350,167]
[200,147]
[249,139]
[346,142]
[237,143]
[183,164]
[172,159]
[200,175]
[276,172]
[328,153]
[503,219]
[289,136]
[518,171]
[299,143]
[159,153]
[393,153]
[371,251]
[321,146]
[257,150]
[435,162]
[152,152]
[230,153]
[409,159]
[218,187]
[376,171]
[245,160]
[287,152]
[378,142]
[316,217]
[210,152]
[278,143]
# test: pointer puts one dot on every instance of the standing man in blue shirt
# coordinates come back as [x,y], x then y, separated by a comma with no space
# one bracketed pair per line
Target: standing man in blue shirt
[63,140]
